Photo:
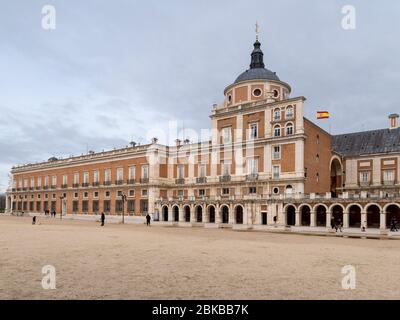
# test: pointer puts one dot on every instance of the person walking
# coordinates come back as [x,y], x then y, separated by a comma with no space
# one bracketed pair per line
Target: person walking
[148,219]
[34,220]
[363,226]
[393,226]
[103,218]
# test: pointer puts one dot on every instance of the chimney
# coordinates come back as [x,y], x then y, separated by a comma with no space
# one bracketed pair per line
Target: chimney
[393,121]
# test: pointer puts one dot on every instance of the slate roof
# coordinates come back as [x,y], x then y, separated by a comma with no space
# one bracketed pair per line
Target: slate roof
[367,142]
[258,73]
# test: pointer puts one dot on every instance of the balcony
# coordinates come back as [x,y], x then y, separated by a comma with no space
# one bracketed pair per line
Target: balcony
[45,187]
[31,188]
[225,178]
[388,182]
[13,189]
[130,181]
[180,181]
[64,186]
[53,187]
[75,185]
[95,184]
[19,189]
[201,180]
[107,183]
[144,180]
[38,188]
[119,182]
[25,189]
[365,183]
[85,184]
[252,177]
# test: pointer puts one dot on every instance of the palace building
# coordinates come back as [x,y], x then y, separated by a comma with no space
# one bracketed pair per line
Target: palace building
[265,166]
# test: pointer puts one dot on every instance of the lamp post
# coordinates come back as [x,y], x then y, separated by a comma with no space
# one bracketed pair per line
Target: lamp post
[123,198]
[61,206]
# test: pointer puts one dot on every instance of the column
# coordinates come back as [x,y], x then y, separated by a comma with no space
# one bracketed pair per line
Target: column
[313,219]
[328,220]
[170,213]
[364,219]
[192,213]
[217,214]
[382,220]
[231,214]
[346,219]
[7,204]
[181,214]
[297,222]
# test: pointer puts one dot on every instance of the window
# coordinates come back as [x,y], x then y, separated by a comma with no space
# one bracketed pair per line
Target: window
[253,131]
[252,190]
[65,179]
[275,93]
[257,92]
[86,177]
[54,180]
[76,178]
[277,131]
[317,138]
[46,196]
[107,175]
[144,193]
[230,98]
[225,191]
[289,189]
[107,194]
[317,177]
[289,129]
[132,173]
[131,206]
[39,182]
[289,112]
[120,174]
[25,183]
[53,195]
[364,177]
[180,171]
[145,172]
[39,196]
[46,181]
[119,193]
[277,114]
[252,165]
[96,176]
[75,206]
[202,170]
[106,206]
[275,190]
[202,192]
[85,206]
[317,158]
[85,194]
[32,182]
[95,205]
[144,206]
[226,168]
[76,195]
[131,193]
[96,194]
[277,152]
[180,193]
[276,172]
[388,175]
[226,135]
[118,206]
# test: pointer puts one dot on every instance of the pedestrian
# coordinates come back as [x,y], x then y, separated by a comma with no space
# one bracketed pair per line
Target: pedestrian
[34,220]
[148,218]
[393,226]
[103,218]
[340,225]
[363,226]
[333,224]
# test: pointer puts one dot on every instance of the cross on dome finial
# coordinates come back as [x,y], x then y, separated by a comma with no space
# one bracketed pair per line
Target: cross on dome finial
[257,31]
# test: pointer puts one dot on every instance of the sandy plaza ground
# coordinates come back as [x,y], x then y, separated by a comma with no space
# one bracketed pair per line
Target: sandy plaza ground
[136,262]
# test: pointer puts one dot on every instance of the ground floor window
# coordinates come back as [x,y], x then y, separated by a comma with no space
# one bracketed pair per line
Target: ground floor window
[107,206]
[118,206]
[85,206]
[95,206]
[45,206]
[131,206]
[75,206]
[144,206]
[25,206]
[38,206]
[53,206]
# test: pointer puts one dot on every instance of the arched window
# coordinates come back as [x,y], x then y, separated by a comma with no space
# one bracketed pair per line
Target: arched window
[277,131]
[289,189]
[277,114]
[289,112]
[289,129]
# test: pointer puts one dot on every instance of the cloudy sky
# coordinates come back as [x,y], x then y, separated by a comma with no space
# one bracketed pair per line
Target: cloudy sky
[112,71]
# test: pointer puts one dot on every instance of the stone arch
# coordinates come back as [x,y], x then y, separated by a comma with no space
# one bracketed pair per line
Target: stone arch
[354,204]
[211,213]
[336,169]
[354,211]
[305,214]
[392,212]
[373,211]
[372,204]
[337,211]
[187,213]
[165,213]
[287,205]
[224,210]
[290,213]
[199,213]
[239,214]
[321,210]
[175,210]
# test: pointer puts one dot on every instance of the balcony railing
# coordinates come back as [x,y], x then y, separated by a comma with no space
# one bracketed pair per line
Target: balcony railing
[225,178]
[31,188]
[252,177]
[365,183]
[130,181]
[85,184]
[75,185]
[144,180]
[107,183]
[64,186]
[53,187]
[38,188]
[18,189]
[201,180]
[45,187]
[119,182]
[95,184]
[25,189]
[180,181]
[388,182]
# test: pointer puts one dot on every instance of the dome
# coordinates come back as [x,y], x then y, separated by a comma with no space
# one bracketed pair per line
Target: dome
[256,74]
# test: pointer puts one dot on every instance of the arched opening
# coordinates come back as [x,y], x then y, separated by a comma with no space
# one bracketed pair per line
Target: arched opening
[187,214]
[211,214]
[373,216]
[176,213]
[289,190]
[321,216]
[305,216]
[239,214]
[199,214]
[290,215]
[392,214]
[225,214]
[355,217]
[165,213]
[337,215]
[336,177]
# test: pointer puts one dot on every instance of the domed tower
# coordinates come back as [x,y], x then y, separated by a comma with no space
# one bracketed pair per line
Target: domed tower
[256,83]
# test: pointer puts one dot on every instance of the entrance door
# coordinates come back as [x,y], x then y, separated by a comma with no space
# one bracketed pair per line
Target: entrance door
[264,218]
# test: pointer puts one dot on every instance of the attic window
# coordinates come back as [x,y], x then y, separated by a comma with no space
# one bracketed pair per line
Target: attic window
[257,92]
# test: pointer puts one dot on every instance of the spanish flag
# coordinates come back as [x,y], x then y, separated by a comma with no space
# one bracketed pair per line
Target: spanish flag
[323,115]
